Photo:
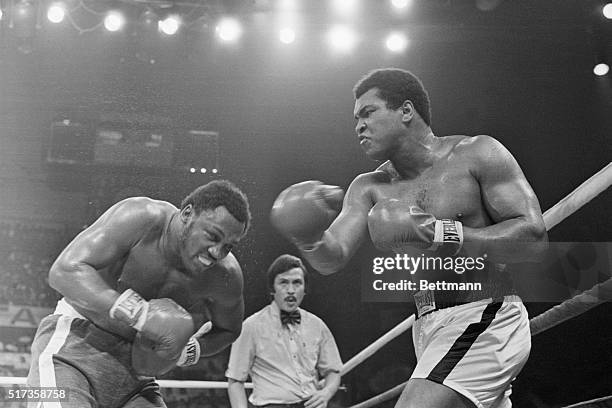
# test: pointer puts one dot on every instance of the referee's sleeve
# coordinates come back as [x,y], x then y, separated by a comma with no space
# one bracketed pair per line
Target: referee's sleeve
[242,353]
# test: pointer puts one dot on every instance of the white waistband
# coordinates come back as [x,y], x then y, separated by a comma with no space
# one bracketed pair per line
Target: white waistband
[64,308]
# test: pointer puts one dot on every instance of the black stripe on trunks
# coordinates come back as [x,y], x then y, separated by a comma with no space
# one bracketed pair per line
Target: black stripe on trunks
[463,343]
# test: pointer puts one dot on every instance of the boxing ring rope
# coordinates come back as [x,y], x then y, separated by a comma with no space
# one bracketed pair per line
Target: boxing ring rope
[584,193]
[570,308]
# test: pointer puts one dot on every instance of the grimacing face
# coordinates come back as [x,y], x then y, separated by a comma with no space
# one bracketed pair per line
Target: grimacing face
[208,237]
[379,129]
[289,289]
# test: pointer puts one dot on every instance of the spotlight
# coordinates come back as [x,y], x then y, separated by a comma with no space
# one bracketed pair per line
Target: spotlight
[400,4]
[56,13]
[114,21]
[169,25]
[396,42]
[342,38]
[229,29]
[215,171]
[345,8]
[607,11]
[202,170]
[287,35]
[192,170]
[287,5]
[601,69]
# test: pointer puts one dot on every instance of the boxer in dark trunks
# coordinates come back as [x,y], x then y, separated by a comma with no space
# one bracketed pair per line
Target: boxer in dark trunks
[146,287]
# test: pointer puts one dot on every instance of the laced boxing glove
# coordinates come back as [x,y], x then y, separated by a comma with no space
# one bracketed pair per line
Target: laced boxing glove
[303,211]
[146,361]
[395,225]
[163,326]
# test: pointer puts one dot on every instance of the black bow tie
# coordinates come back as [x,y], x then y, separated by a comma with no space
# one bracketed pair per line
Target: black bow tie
[290,317]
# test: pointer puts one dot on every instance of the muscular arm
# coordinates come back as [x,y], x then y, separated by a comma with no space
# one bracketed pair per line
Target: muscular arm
[236,393]
[226,311]
[347,231]
[75,273]
[518,233]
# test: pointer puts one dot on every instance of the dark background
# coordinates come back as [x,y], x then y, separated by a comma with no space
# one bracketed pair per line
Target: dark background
[521,73]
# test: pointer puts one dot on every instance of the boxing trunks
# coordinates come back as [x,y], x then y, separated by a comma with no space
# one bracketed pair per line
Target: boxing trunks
[71,352]
[476,349]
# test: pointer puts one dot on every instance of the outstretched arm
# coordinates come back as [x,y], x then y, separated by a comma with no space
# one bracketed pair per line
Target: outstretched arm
[341,240]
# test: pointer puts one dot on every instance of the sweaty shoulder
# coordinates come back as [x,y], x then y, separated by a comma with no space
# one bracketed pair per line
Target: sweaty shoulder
[479,146]
[143,207]
[383,174]
[486,156]
[141,211]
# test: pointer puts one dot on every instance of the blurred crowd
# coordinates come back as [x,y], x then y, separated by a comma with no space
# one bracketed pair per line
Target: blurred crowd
[26,253]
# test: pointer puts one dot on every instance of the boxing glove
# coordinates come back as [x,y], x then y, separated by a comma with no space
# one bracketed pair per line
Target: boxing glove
[303,211]
[164,324]
[395,225]
[191,352]
[148,362]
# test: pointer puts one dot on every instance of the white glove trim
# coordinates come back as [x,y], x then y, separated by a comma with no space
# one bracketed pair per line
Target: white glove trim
[448,231]
[190,354]
[130,308]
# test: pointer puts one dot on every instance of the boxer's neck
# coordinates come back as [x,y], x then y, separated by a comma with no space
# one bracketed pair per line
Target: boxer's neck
[416,155]
[170,240]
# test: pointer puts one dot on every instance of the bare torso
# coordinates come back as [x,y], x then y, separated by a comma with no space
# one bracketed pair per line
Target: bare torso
[147,270]
[448,189]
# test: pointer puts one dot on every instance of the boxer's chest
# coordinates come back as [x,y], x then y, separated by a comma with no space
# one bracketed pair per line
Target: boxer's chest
[447,193]
[146,271]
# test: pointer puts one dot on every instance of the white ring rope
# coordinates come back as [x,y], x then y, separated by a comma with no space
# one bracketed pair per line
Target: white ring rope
[374,347]
[592,403]
[584,193]
[570,308]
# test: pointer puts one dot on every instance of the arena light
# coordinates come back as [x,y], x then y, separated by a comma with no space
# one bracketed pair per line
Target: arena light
[203,170]
[342,38]
[607,11]
[192,170]
[56,13]
[401,4]
[286,35]
[345,8]
[114,21]
[287,5]
[601,69]
[229,29]
[169,25]
[215,171]
[396,42]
